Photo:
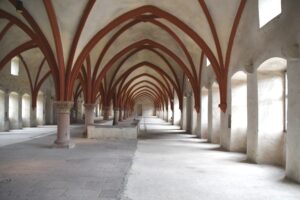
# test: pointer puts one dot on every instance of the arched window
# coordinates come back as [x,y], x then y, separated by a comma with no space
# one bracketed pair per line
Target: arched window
[13,110]
[14,68]
[268,10]
[207,62]
[40,108]
[204,113]
[26,110]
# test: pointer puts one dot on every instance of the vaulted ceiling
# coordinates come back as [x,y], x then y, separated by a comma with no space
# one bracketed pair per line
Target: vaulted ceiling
[121,50]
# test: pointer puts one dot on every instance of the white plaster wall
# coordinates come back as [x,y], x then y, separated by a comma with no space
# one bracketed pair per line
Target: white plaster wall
[145,107]
[293,136]
[177,112]
[13,110]
[2,110]
[204,113]
[238,136]
[216,115]
[26,110]
[184,114]
[209,120]
[148,110]
[40,109]
[270,118]
[252,105]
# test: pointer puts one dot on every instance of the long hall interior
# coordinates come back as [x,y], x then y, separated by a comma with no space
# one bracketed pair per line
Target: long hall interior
[149,100]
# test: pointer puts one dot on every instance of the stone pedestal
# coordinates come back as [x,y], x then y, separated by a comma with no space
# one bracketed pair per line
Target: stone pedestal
[63,125]
[116,116]
[89,115]
[105,111]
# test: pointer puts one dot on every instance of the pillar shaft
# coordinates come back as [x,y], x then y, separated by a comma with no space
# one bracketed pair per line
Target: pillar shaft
[20,120]
[33,120]
[63,124]
[121,114]
[105,111]
[293,136]
[116,116]
[89,113]
[6,107]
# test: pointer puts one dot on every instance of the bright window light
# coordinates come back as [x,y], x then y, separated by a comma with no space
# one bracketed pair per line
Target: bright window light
[14,70]
[207,62]
[268,10]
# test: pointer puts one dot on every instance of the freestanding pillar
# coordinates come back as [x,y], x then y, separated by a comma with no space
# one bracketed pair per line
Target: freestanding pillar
[33,120]
[63,124]
[89,115]
[116,116]
[105,111]
[121,114]
[20,120]
[6,111]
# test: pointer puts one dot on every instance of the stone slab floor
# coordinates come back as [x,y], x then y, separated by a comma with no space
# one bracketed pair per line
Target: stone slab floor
[32,170]
[169,166]
[165,164]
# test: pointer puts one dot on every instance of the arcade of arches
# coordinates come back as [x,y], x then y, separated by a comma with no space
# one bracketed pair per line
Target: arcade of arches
[225,72]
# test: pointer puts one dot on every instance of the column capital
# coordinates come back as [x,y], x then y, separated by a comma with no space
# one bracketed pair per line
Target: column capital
[63,106]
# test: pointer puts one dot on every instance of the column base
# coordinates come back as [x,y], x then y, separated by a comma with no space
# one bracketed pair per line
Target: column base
[65,145]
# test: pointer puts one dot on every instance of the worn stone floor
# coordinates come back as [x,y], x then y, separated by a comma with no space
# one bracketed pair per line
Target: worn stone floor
[94,169]
[165,164]
[171,166]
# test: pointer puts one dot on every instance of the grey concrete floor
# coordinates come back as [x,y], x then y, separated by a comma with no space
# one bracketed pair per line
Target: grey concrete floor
[94,169]
[171,166]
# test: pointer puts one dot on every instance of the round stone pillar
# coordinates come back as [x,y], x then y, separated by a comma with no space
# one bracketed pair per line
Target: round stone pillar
[89,115]
[63,124]
[116,116]
[33,120]
[125,114]
[105,111]
[120,114]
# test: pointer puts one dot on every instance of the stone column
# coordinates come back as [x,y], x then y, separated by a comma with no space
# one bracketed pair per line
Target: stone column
[20,120]
[252,122]
[189,113]
[125,114]
[198,125]
[89,115]
[293,136]
[6,107]
[209,116]
[33,120]
[120,114]
[105,111]
[63,124]
[116,116]
[97,110]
